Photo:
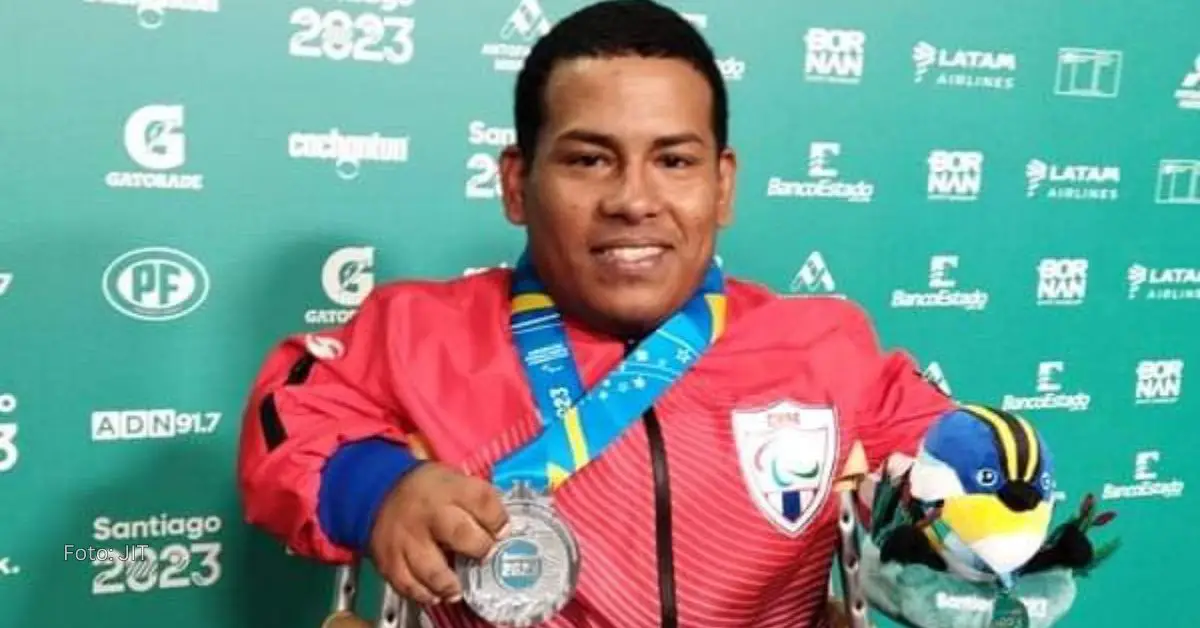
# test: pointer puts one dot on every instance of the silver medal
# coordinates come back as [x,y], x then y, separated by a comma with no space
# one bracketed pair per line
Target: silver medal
[531,574]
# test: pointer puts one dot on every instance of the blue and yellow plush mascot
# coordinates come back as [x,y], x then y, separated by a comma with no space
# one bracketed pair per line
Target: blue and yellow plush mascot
[971,518]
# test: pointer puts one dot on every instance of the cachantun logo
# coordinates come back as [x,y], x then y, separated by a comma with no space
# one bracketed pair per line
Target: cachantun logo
[155,284]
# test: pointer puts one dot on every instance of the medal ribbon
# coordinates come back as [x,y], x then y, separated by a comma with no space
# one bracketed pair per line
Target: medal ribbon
[578,427]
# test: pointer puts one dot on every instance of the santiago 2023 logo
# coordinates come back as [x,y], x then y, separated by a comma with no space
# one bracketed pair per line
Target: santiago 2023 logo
[155,284]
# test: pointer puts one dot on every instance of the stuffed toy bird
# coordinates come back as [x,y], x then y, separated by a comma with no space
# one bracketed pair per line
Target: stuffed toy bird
[981,493]
[972,514]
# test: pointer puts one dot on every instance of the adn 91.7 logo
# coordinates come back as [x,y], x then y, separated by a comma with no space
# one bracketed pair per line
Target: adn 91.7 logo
[339,35]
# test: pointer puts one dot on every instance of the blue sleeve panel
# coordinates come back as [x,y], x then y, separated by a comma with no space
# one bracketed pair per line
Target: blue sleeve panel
[354,483]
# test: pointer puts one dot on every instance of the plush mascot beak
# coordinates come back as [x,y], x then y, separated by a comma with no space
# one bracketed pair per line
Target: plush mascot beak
[1004,530]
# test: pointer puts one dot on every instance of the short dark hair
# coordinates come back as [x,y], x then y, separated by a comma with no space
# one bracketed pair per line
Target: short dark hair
[609,29]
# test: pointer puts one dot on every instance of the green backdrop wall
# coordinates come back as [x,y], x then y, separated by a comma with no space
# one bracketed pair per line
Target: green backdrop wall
[1012,189]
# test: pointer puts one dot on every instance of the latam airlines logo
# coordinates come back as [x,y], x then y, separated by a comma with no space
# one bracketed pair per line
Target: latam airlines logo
[971,69]
[1162,284]
[1072,182]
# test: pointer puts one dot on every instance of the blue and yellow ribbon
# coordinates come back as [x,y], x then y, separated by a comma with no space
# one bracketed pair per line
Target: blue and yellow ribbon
[579,427]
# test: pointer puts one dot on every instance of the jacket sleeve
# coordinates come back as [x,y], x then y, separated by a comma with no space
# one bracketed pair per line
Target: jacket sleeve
[896,404]
[318,398]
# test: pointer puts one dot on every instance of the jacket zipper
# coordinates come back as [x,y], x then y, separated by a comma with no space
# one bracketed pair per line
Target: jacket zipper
[664,547]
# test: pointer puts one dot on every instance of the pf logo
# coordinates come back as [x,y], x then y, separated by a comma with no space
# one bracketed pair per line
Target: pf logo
[155,284]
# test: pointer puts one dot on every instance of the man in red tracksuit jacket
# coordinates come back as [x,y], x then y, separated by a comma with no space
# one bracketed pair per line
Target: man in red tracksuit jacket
[717,508]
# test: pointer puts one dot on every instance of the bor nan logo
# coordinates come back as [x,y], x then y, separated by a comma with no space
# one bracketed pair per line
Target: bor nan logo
[787,453]
[955,175]
[1158,382]
[155,284]
[834,56]
[155,141]
[1062,281]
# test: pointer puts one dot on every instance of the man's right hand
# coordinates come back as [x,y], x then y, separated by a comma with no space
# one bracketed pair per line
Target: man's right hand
[430,510]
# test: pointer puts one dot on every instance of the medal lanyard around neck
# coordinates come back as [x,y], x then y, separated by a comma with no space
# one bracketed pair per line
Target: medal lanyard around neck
[578,427]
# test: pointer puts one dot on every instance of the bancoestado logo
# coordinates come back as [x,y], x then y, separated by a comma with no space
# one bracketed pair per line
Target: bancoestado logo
[154,140]
[114,425]
[483,167]
[824,179]
[1050,395]
[152,13]
[943,292]
[173,552]
[732,68]
[155,284]
[1146,481]
[9,452]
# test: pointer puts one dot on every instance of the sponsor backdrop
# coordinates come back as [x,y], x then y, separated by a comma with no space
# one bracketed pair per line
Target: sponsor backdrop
[1012,190]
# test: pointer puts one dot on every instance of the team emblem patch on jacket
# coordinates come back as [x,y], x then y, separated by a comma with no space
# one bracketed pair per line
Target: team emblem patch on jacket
[787,452]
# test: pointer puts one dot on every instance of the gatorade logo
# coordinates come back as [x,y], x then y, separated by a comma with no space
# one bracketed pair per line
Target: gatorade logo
[155,284]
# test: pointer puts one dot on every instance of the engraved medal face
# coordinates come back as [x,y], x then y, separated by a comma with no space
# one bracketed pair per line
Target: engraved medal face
[531,574]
